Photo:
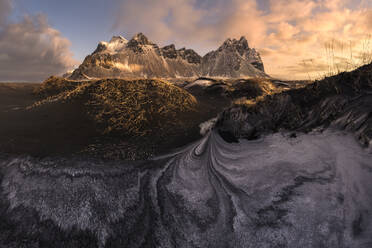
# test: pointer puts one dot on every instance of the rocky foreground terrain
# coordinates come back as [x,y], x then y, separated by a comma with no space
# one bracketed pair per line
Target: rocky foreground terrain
[141,58]
[343,101]
[280,167]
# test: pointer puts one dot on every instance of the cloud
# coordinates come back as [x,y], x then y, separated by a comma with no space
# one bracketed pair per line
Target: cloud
[289,10]
[5,8]
[179,21]
[190,22]
[243,18]
[30,49]
[287,32]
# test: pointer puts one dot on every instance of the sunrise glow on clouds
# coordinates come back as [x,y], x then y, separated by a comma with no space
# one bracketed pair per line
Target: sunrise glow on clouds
[297,39]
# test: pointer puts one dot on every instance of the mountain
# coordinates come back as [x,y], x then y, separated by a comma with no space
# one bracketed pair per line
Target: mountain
[233,59]
[140,57]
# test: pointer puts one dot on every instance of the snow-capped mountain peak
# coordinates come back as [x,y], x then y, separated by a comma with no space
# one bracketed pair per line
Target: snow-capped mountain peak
[140,57]
[141,39]
[241,44]
[233,58]
[116,44]
[118,39]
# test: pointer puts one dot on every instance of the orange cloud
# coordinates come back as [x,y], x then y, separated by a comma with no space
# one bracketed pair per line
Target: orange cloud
[292,31]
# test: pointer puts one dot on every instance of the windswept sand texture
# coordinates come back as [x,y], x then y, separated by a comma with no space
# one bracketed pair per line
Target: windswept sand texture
[311,191]
[282,167]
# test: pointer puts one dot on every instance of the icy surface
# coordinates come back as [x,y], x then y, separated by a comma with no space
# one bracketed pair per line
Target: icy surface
[311,191]
[207,126]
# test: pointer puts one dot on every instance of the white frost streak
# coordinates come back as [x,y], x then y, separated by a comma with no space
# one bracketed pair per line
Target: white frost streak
[311,191]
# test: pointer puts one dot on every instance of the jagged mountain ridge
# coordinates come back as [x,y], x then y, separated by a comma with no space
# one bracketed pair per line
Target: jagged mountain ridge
[233,59]
[139,57]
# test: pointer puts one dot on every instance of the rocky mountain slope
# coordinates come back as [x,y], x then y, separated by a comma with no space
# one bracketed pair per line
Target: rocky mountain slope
[233,59]
[139,57]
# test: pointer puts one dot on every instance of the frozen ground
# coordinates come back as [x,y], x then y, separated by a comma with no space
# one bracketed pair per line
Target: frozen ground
[314,190]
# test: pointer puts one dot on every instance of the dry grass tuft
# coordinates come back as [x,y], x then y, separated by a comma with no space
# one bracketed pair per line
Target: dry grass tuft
[55,85]
[132,107]
[255,89]
[248,102]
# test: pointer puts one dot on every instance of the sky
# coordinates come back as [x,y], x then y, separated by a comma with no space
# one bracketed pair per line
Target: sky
[297,39]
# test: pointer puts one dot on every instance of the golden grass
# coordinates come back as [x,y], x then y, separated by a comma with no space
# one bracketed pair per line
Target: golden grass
[132,107]
[265,86]
[55,85]
[249,102]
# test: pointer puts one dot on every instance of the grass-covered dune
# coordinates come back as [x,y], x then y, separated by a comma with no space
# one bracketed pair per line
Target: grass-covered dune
[126,107]
[115,118]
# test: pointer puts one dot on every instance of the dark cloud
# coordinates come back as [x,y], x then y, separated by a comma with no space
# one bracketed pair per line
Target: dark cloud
[31,50]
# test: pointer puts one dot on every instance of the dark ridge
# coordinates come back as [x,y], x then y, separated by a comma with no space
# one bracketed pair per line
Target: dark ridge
[343,101]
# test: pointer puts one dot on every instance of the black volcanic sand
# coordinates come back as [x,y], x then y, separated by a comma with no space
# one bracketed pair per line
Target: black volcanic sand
[280,190]
[48,130]
[66,129]
[312,191]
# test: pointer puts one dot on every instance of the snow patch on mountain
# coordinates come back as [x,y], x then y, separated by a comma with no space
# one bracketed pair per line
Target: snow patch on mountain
[139,57]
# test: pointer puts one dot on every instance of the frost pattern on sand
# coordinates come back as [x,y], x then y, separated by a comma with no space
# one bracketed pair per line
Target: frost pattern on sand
[311,191]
